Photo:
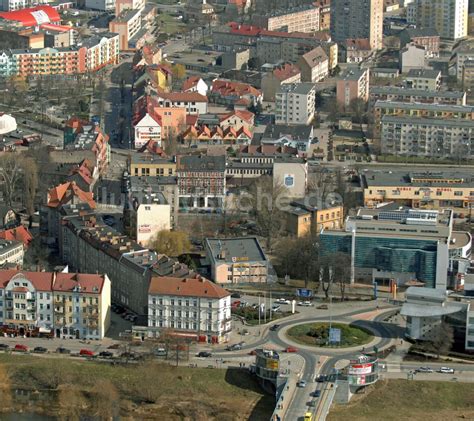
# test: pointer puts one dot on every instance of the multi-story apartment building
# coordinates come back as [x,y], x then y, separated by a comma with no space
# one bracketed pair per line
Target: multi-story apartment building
[468,75]
[392,93]
[423,79]
[201,181]
[11,5]
[424,37]
[298,19]
[195,308]
[287,73]
[314,65]
[412,57]
[392,244]
[11,252]
[122,5]
[352,84]
[128,26]
[145,164]
[448,17]
[420,190]
[62,304]
[236,260]
[430,137]
[324,14]
[92,55]
[463,55]
[104,5]
[357,19]
[295,103]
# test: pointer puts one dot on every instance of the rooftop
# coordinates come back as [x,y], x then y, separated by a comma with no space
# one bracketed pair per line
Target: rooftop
[232,250]
[201,163]
[296,88]
[277,131]
[425,106]
[457,124]
[196,287]
[352,74]
[393,90]
[424,73]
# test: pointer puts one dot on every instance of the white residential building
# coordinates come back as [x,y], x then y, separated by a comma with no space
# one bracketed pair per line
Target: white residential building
[11,5]
[148,128]
[295,103]
[100,4]
[423,79]
[11,252]
[193,102]
[152,216]
[196,308]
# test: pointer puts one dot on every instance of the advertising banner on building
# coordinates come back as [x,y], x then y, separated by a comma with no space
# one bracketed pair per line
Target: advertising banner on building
[357,369]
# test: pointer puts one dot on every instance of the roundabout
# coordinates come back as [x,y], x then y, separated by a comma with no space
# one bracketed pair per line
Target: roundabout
[317,334]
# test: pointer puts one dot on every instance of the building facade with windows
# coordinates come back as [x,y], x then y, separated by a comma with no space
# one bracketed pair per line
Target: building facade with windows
[236,260]
[59,304]
[295,103]
[353,84]
[401,245]
[297,19]
[11,252]
[193,308]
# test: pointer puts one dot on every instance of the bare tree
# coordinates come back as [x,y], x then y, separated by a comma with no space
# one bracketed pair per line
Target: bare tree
[10,175]
[71,402]
[267,200]
[106,400]
[30,184]
[335,268]
[5,388]
[442,338]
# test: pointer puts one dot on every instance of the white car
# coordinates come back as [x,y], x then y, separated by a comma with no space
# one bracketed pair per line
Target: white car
[446,370]
[282,301]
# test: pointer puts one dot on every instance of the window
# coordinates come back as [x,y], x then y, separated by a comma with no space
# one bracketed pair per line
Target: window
[458,193]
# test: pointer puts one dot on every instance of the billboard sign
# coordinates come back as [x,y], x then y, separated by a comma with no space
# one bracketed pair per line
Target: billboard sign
[303,292]
[358,369]
[334,335]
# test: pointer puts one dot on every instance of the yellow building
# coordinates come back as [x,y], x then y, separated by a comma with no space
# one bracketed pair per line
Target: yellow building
[303,219]
[422,190]
[143,164]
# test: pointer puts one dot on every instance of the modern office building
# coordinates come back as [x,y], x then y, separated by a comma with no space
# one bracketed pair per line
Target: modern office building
[295,103]
[399,245]
[448,17]
[351,19]
[236,260]
[194,308]
[443,189]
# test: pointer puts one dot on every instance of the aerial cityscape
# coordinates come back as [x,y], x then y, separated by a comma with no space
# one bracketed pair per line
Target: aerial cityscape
[236,210]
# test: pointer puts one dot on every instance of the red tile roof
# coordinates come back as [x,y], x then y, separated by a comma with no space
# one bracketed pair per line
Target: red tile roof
[85,169]
[18,234]
[88,283]
[245,115]
[41,280]
[58,196]
[226,88]
[190,82]
[183,96]
[358,43]
[186,287]
[286,71]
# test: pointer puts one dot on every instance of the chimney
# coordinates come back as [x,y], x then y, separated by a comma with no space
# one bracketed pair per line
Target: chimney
[54,277]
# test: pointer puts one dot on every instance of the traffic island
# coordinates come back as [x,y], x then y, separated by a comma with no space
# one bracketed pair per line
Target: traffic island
[326,335]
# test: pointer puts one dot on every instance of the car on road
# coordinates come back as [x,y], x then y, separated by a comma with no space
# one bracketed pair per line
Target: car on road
[62,350]
[424,370]
[204,354]
[312,403]
[321,378]
[235,347]
[282,301]
[21,348]
[446,370]
[305,303]
[40,350]
[106,354]
[86,353]
[276,307]
[308,416]
[301,383]
[290,349]
[4,346]
[274,327]
[316,393]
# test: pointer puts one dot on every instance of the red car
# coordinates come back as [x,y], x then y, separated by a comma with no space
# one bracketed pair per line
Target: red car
[290,349]
[86,353]
[21,348]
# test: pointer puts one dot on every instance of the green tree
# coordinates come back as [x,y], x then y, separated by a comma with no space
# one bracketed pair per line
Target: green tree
[171,243]
[179,71]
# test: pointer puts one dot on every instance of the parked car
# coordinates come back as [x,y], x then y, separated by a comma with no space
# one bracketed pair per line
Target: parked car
[86,353]
[235,347]
[301,383]
[290,349]
[282,301]
[4,346]
[160,352]
[446,370]
[106,354]
[204,354]
[322,307]
[62,350]
[274,327]
[114,346]
[21,348]
[235,295]
[40,350]
[276,307]
[424,370]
